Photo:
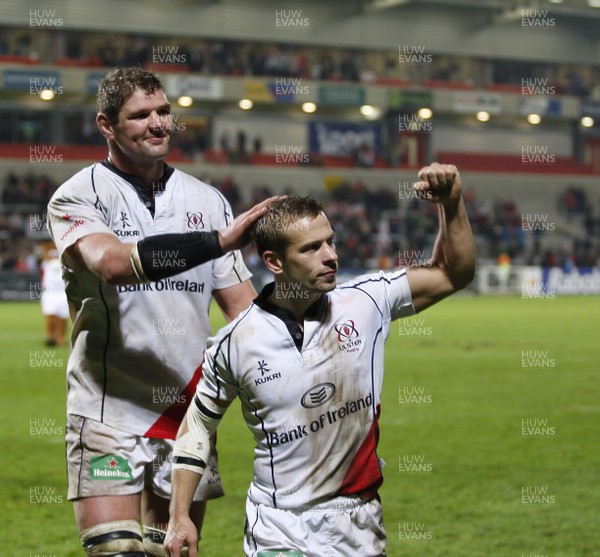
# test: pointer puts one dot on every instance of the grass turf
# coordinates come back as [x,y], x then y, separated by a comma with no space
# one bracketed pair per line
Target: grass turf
[488,430]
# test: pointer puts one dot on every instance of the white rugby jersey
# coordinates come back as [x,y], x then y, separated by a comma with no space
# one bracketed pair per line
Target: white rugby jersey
[311,398]
[136,350]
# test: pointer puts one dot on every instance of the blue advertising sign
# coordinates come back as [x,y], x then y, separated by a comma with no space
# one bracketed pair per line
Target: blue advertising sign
[33,81]
[591,108]
[92,80]
[582,280]
[329,138]
[544,106]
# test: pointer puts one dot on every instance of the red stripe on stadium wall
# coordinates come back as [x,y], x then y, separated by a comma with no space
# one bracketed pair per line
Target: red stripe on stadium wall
[167,425]
[364,474]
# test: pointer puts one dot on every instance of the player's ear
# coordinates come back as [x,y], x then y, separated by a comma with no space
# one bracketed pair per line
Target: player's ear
[272,261]
[104,125]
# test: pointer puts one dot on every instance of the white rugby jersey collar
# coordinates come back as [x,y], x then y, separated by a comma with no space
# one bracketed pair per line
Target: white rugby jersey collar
[146,194]
[296,332]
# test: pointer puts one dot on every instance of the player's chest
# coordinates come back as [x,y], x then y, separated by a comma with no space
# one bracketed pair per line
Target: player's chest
[130,216]
[335,358]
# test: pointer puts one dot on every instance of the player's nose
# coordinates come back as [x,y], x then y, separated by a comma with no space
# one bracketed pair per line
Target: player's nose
[156,122]
[330,255]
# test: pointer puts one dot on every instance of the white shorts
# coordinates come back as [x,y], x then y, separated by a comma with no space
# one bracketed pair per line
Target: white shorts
[102,460]
[341,527]
[55,304]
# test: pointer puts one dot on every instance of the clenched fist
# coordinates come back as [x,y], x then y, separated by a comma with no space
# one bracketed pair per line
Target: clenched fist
[438,183]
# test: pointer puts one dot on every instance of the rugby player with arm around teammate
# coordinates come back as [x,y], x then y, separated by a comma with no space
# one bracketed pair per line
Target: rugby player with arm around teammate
[144,249]
[306,361]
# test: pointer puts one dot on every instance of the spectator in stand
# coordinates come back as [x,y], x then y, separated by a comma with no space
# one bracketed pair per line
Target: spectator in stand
[226,147]
[397,152]
[28,190]
[136,52]
[299,64]
[3,45]
[197,53]
[112,51]
[257,143]
[26,261]
[242,140]
[365,156]
[324,68]
[348,68]
[73,49]
[569,201]
[231,192]
[23,45]
[256,60]
[575,84]
[236,65]
[277,63]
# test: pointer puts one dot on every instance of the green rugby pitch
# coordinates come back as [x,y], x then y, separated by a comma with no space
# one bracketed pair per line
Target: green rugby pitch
[489,433]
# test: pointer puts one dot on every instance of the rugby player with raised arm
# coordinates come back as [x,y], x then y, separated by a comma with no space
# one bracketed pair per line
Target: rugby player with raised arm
[306,361]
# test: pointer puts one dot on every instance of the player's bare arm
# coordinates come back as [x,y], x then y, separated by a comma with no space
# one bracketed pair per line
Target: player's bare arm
[235,299]
[452,265]
[189,457]
[116,262]
[182,532]
[105,256]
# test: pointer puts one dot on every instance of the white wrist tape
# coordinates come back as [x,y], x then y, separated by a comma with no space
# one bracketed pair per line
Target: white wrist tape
[192,449]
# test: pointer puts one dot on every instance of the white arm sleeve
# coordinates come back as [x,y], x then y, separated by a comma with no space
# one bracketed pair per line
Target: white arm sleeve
[192,448]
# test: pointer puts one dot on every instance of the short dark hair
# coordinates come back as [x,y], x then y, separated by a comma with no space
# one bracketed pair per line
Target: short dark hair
[270,232]
[119,84]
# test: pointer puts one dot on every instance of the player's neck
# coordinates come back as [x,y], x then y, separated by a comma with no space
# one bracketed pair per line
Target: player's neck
[296,307]
[149,173]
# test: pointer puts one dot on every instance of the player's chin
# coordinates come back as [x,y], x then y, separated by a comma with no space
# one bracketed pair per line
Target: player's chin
[327,283]
[157,152]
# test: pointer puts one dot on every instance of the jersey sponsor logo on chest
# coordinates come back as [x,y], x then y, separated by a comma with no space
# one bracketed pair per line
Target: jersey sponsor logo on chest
[125,230]
[326,419]
[318,395]
[266,374]
[126,233]
[164,285]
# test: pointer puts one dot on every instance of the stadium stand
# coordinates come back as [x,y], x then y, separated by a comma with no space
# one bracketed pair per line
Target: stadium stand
[373,223]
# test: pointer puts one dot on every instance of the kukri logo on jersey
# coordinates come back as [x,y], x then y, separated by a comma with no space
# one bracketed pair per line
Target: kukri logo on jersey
[124,231]
[266,374]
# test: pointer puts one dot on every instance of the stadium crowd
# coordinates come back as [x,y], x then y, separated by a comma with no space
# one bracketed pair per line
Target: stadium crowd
[374,226]
[243,58]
